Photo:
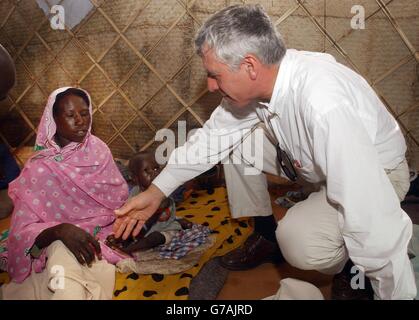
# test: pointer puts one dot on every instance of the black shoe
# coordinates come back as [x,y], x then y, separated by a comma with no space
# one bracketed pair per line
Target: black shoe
[341,286]
[255,251]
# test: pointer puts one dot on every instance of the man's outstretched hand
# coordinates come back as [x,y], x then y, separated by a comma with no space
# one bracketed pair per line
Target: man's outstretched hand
[133,214]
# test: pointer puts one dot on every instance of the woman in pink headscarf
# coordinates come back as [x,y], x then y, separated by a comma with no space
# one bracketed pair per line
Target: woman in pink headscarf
[64,201]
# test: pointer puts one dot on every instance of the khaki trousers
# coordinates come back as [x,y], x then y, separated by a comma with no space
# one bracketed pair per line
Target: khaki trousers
[309,235]
[64,278]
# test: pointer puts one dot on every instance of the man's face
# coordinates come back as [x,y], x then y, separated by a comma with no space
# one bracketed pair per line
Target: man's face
[235,86]
[72,119]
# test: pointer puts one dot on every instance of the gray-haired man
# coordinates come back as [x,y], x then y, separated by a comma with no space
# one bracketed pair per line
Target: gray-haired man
[324,124]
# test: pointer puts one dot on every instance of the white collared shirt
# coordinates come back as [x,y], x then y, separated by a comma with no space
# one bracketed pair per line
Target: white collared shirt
[312,95]
[331,121]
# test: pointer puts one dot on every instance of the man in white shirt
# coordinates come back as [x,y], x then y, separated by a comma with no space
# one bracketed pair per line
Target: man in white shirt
[323,124]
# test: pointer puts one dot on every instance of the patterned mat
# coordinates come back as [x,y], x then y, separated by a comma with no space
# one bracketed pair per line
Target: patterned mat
[207,209]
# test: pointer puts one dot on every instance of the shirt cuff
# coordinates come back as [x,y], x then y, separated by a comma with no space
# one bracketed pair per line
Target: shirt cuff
[167,183]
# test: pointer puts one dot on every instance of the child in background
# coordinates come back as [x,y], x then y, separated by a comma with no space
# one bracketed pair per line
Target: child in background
[160,227]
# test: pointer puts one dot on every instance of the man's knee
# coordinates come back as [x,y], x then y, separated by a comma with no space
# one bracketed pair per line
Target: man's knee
[305,249]
[293,247]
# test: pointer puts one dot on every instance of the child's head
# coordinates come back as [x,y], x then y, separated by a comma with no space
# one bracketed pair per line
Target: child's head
[144,169]
[71,115]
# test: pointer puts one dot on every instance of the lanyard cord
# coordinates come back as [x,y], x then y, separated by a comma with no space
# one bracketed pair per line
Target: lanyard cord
[271,138]
[262,125]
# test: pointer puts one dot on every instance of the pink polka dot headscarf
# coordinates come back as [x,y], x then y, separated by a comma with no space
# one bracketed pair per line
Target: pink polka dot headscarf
[78,184]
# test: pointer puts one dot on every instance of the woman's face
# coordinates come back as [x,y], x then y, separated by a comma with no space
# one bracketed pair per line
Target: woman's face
[72,120]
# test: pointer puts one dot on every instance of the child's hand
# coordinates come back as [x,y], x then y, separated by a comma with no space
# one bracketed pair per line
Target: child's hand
[153,240]
[185,224]
[117,244]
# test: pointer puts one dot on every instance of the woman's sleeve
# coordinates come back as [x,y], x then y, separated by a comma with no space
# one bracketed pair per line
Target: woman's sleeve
[25,227]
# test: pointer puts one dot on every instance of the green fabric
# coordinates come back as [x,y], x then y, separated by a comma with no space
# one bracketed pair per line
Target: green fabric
[38,147]
[3,238]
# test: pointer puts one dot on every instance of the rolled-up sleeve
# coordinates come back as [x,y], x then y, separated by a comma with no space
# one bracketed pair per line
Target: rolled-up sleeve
[206,147]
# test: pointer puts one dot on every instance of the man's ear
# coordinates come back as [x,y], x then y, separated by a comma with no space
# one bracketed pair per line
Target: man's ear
[251,64]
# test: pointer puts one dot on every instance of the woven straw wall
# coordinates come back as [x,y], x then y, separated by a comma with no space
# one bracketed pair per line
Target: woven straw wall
[136,59]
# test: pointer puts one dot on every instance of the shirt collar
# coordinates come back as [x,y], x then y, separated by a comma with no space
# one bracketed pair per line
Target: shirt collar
[282,84]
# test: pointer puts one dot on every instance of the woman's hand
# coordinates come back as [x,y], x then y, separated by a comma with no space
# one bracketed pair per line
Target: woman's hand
[133,214]
[82,244]
[79,242]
